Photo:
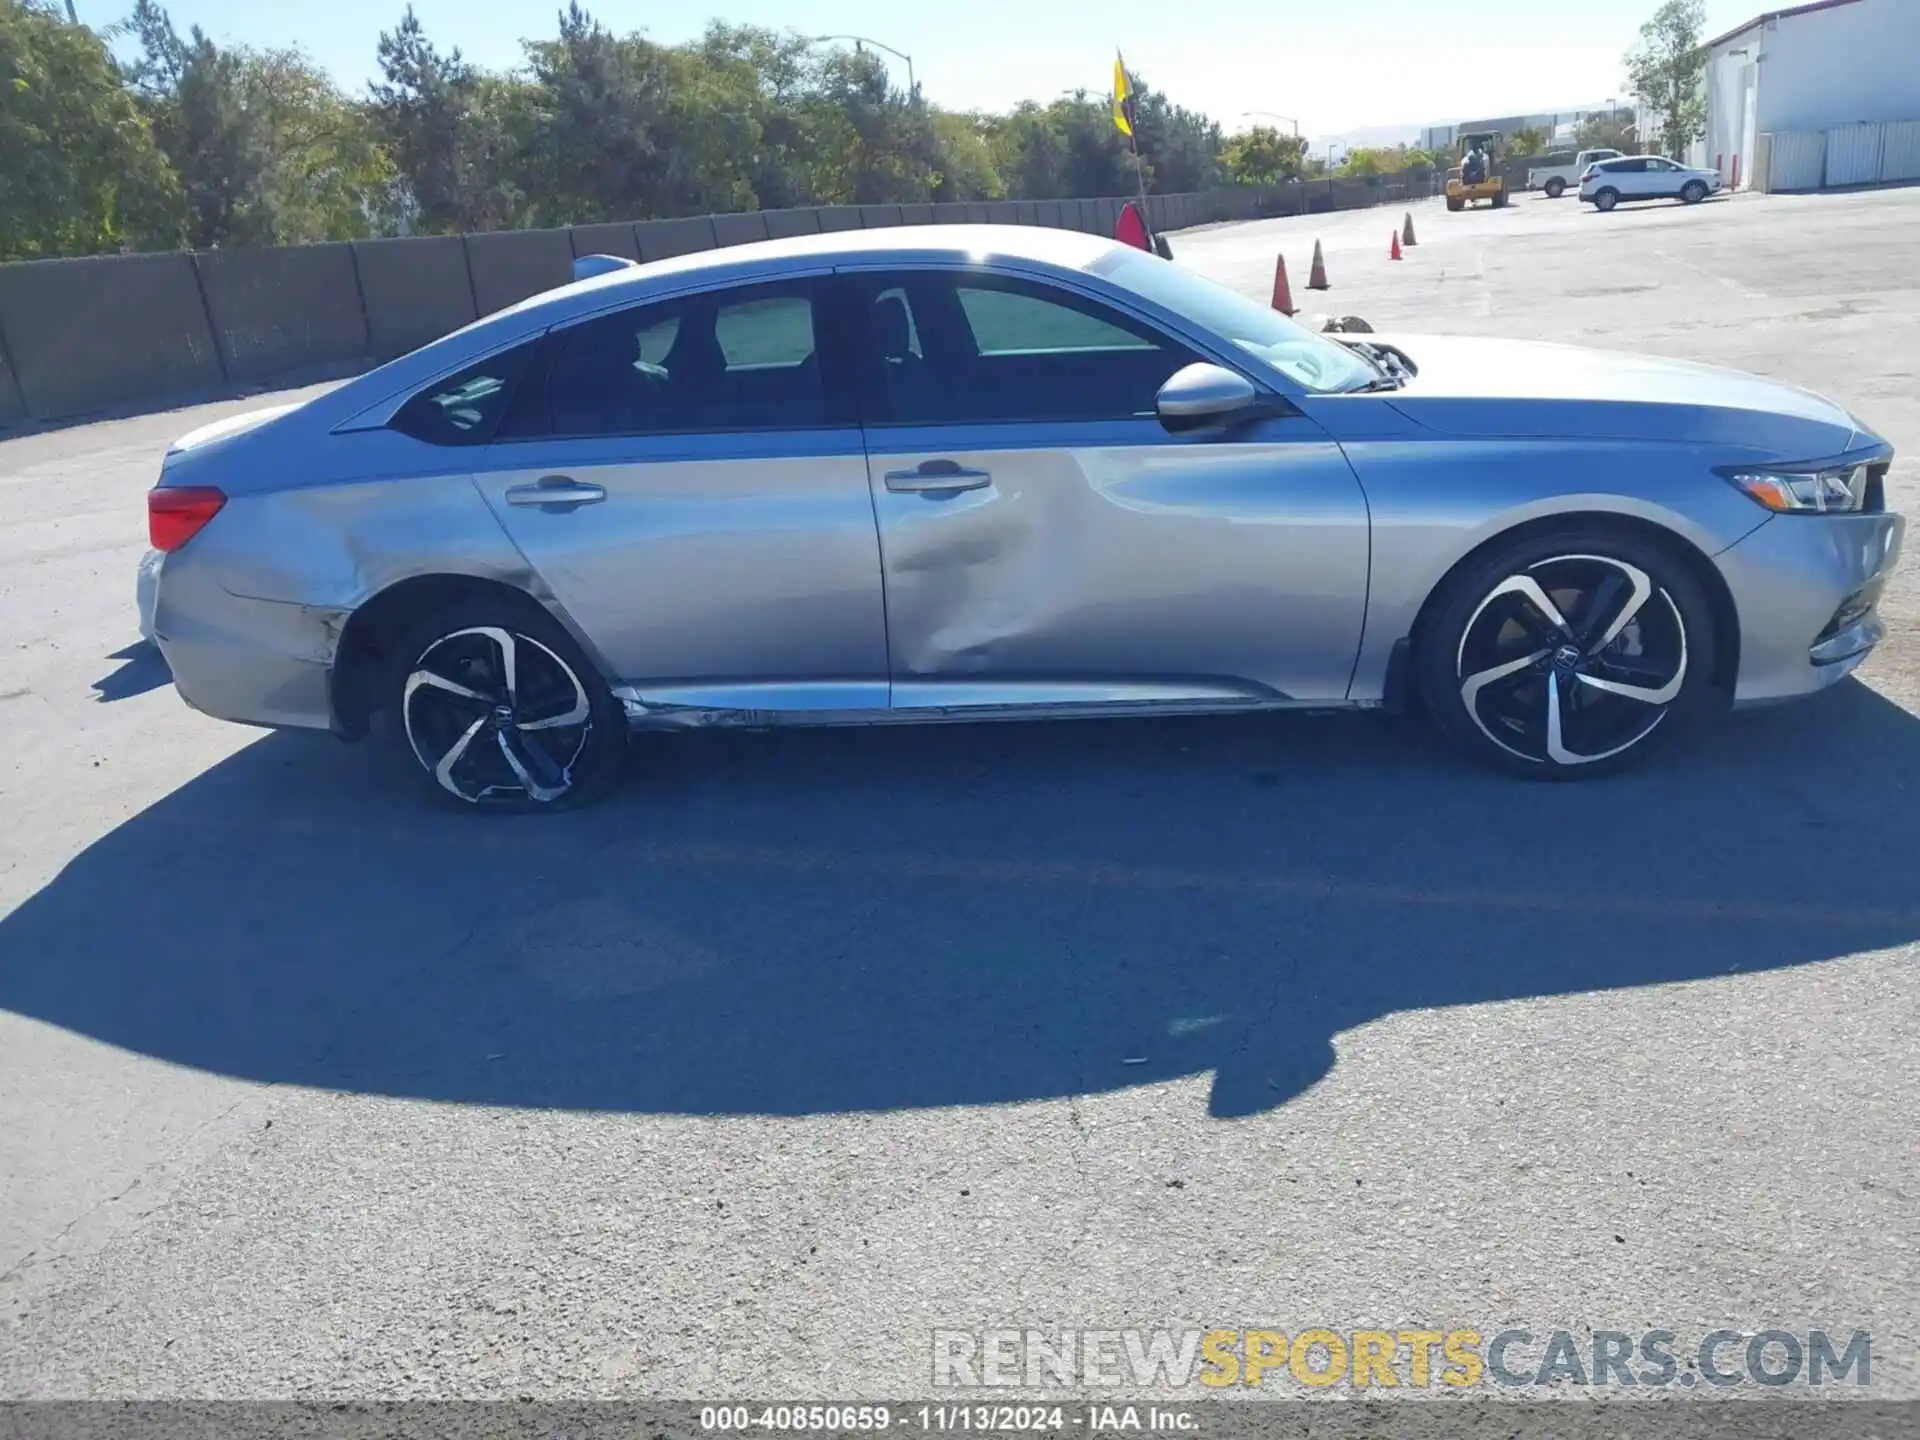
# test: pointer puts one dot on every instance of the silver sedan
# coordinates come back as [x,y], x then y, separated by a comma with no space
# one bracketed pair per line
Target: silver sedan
[965,473]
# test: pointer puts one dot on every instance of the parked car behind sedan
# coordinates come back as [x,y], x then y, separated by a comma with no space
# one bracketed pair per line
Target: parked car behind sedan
[1646,177]
[993,472]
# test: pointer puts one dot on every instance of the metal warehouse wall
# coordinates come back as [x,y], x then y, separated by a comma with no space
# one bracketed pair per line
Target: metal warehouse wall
[1859,61]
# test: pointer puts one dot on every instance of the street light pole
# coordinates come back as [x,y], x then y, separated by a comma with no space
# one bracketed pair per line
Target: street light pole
[912,87]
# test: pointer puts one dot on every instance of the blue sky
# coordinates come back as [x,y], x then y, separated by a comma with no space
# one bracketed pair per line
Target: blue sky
[1334,65]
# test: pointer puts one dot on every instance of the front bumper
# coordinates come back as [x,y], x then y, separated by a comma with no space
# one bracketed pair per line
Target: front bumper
[1791,580]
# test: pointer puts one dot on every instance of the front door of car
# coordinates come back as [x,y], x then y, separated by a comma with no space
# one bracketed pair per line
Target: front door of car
[1046,541]
[688,479]
[1663,177]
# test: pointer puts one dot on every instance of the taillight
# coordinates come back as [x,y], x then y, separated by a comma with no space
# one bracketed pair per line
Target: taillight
[175,515]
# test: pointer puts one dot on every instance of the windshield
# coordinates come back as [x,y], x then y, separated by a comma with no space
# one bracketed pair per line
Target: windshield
[1293,350]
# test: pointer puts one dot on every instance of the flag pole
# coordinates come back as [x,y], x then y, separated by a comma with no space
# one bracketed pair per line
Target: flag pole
[1124,105]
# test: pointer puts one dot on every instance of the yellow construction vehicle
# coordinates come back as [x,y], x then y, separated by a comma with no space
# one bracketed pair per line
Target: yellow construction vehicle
[1476,174]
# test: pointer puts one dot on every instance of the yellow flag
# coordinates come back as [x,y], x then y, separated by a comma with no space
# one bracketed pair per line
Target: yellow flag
[1122,97]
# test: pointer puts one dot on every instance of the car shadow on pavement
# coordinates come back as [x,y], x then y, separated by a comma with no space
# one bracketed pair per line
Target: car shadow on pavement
[801,923]
[142,668]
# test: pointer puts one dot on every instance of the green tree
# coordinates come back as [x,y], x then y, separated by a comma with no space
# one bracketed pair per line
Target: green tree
[448,129]
[79,170]
[1606,131]
[1263,156]
[1665,72]
[1527,141]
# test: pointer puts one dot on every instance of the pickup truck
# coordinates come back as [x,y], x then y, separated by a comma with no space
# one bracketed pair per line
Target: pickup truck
[1556,180]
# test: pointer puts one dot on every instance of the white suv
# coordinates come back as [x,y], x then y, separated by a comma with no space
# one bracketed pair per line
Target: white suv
[1645,177]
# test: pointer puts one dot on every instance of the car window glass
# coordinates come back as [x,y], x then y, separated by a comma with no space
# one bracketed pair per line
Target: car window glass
[761,334]
[465,409]
[735,360]
[982,350]
[909,335]
[1307,358]
[1011,322]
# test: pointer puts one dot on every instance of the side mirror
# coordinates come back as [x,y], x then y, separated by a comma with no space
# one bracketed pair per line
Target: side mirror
[1201,394]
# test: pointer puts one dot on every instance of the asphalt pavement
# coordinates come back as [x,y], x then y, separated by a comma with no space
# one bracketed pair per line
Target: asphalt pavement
[808,1045]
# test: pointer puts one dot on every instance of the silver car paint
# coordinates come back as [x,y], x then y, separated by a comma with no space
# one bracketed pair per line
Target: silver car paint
[1115,552]
[327,509]
[714,560]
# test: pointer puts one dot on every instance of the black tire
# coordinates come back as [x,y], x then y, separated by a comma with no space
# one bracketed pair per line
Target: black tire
[1556,187]
[1605,200]
[1456,204]
[1500,199]
[1693,192]
[569,732]
[1507,682]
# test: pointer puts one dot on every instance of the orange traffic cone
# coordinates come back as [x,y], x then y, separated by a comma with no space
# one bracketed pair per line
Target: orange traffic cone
[1406,231]
[1317,277]
[1282,291]
[1393,250]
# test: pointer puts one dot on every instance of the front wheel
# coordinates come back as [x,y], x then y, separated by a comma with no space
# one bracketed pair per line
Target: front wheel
[1568,654]
[496,708]
[1605,200]
[1556,188]
[1456,204]
[1693,192]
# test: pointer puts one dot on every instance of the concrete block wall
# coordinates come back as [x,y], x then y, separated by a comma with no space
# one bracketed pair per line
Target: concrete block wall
[114,332]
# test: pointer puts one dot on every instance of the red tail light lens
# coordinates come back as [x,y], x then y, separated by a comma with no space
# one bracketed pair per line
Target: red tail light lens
[175,516]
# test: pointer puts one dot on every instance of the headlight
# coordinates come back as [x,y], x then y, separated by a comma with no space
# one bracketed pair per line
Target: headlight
[1841,490]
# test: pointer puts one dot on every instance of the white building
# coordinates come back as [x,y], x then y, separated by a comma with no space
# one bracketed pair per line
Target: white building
[1808,68]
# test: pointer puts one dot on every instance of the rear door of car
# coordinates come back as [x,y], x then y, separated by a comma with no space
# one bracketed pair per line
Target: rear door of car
[688,479]
[1046,541]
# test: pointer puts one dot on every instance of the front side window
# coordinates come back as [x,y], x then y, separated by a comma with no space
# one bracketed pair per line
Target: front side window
[974,348]
[740,359]
[1308,359]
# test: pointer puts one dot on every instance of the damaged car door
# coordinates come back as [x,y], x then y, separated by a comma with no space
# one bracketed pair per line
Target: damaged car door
[1047,542]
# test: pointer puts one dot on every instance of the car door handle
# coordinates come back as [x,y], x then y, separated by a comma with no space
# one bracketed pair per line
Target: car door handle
[936,477]
[556,490]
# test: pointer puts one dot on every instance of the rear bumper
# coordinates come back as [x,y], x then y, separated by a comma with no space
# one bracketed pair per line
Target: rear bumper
[1793,581]
[255,662]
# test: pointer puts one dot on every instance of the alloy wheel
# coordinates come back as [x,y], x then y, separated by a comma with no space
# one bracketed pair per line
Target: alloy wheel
[494,715]
[1573,660]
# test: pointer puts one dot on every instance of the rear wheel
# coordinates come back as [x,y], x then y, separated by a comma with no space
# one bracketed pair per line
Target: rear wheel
[1568,654]
[496,708]
[1693,192]
[1556,187]
[1500,199]
[1604,200]
[1455,203]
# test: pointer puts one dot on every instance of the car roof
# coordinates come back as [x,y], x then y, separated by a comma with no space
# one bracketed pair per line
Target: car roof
[1067,249]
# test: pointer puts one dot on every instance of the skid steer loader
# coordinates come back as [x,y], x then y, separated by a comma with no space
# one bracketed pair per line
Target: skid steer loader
[1476,175]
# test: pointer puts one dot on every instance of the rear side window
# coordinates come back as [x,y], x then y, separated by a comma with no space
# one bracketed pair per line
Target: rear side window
[729,360]
[467,408]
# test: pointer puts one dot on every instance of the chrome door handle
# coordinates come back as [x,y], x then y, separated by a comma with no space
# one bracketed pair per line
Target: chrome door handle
[556,490]
[936,477]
